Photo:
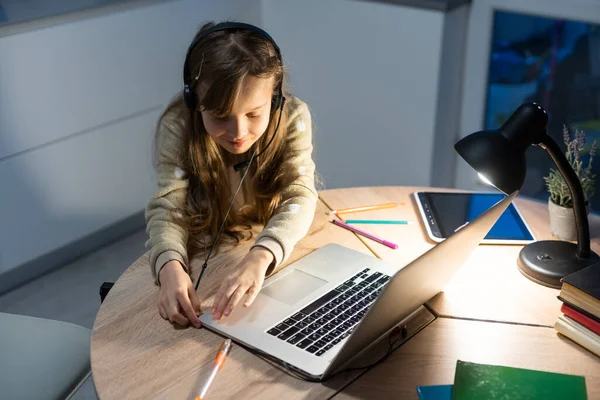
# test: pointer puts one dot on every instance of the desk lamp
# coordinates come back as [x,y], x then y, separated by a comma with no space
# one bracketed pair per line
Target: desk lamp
[499,158]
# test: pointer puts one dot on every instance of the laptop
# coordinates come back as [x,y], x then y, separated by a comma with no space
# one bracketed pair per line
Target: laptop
[322,310]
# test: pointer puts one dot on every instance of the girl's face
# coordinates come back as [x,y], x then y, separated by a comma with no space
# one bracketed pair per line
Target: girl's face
[249,117]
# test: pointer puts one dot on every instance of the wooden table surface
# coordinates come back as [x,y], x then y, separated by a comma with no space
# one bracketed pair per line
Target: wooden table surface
[490,285]
[136,354]
[430,357]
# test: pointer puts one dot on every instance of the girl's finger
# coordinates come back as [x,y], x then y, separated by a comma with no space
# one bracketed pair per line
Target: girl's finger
[252,293]
[173,311]
[218,296]
[235,298]
[194,299]
[176,317]
[162,312]
[225,299]
[186,306]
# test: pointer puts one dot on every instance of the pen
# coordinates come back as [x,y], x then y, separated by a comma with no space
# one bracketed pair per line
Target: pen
[366,234]
[377,221]
[364,208]
[219,361]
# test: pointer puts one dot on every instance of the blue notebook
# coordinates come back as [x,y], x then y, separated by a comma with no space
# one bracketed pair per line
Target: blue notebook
[437,392]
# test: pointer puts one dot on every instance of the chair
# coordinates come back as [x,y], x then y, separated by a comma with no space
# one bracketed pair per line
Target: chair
[42,358]
[104,289]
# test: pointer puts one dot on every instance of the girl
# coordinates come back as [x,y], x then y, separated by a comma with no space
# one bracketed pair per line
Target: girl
[230,130]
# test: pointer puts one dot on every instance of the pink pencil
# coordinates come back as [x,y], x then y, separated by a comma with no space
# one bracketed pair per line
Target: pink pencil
[366,234]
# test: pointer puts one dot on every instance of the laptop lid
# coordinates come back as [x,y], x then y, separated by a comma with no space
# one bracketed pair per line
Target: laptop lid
[416,283]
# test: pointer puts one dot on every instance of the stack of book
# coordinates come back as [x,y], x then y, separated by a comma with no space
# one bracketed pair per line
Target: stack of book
[580,319]
[483,381]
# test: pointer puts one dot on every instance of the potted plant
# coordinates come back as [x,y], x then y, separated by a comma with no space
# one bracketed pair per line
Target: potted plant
[560,203]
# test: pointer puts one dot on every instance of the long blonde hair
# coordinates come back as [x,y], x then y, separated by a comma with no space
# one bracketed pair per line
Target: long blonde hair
[221,62]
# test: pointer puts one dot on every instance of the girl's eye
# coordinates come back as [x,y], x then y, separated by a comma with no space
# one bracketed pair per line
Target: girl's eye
[221,119]
[252,116]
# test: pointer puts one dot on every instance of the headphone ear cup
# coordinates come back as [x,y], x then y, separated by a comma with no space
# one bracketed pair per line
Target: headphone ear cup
[188,97]
[276,101]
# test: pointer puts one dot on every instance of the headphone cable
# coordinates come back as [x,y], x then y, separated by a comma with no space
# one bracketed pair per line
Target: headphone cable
[236,167]
[222,223]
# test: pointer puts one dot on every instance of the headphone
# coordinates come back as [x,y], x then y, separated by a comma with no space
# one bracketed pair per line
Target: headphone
[189,96]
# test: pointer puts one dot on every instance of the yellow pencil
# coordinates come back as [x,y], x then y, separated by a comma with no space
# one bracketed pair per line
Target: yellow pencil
[364,208]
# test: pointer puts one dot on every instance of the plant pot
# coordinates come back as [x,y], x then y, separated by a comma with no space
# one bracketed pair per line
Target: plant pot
[562,221]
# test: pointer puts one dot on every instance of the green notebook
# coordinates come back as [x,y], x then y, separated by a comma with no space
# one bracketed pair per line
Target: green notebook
[481,381]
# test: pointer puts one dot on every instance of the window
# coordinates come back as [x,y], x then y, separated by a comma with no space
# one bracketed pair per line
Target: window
[555,63]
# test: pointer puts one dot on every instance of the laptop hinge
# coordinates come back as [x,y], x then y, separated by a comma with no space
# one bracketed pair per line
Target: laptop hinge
[397,335]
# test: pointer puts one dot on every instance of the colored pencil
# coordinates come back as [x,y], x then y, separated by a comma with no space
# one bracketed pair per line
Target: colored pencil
[366,234]
[364,208]
[378,221]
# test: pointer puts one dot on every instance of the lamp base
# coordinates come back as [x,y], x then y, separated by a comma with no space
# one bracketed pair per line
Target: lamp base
[548,261]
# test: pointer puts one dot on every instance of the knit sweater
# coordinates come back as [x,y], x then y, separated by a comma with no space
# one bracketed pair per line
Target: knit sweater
[290,223]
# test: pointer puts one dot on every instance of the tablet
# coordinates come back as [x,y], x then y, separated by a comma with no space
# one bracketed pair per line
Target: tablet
[445,212]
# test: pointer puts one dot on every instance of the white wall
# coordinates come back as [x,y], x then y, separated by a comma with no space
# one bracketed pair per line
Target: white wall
[447,115]
[369,71]
[79,102]
[78,106]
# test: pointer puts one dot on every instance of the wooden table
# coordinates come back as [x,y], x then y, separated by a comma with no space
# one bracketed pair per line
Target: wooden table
[136,354]
[490,286]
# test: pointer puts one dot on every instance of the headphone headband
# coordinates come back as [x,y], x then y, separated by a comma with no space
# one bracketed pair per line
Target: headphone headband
[188,96]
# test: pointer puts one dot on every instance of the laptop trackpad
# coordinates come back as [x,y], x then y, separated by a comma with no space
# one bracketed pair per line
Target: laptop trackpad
[293,287]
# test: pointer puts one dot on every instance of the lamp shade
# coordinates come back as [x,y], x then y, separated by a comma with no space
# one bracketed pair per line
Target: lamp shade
[494,157]
[499,155]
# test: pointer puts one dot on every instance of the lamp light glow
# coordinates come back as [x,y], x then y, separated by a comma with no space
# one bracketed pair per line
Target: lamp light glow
[485,180]
[499,158]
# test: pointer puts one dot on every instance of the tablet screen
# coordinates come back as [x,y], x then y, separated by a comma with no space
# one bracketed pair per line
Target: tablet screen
[452,210]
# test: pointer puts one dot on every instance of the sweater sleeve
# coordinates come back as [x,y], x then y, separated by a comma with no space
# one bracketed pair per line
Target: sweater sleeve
[293,218]
[167,237]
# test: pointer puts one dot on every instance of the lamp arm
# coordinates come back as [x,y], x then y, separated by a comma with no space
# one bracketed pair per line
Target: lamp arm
[581,221]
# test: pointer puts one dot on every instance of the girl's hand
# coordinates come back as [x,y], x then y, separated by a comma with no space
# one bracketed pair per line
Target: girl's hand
[247,279]
[177,300]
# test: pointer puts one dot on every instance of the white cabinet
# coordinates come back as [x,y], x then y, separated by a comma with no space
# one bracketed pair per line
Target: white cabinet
[59,193]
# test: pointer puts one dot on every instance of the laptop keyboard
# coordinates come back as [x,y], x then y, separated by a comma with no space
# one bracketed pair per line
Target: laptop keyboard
[328,320]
